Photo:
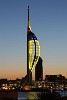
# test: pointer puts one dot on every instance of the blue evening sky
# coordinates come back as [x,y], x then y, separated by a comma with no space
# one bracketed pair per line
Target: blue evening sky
[49,23]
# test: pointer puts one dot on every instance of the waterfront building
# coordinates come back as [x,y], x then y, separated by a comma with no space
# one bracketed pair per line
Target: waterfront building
[55,81]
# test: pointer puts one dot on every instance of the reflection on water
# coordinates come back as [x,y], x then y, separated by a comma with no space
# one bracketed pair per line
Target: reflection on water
[28,95]
[34,95]
[62,93]
[22,95]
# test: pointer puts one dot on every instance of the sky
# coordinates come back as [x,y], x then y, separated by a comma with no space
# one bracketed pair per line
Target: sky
[49,23]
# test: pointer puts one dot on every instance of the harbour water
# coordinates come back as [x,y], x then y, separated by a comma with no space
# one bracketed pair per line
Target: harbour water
[33,95]
[63,93]
[27,95]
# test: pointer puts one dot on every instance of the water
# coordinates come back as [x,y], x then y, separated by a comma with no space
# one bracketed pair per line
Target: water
[62,92]
[27,95]
[22,95]
[33,95]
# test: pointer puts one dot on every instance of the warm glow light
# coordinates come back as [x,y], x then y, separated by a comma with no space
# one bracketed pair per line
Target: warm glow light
[33,59]
[27,88]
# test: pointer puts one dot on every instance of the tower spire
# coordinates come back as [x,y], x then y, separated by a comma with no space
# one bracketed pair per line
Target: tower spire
[29,28]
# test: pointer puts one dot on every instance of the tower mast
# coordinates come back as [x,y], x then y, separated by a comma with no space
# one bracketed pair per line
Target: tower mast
[29,27]
[29,73]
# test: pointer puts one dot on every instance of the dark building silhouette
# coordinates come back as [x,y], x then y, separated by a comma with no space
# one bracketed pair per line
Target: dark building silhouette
[39,70]
[54,78]
[57,82]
